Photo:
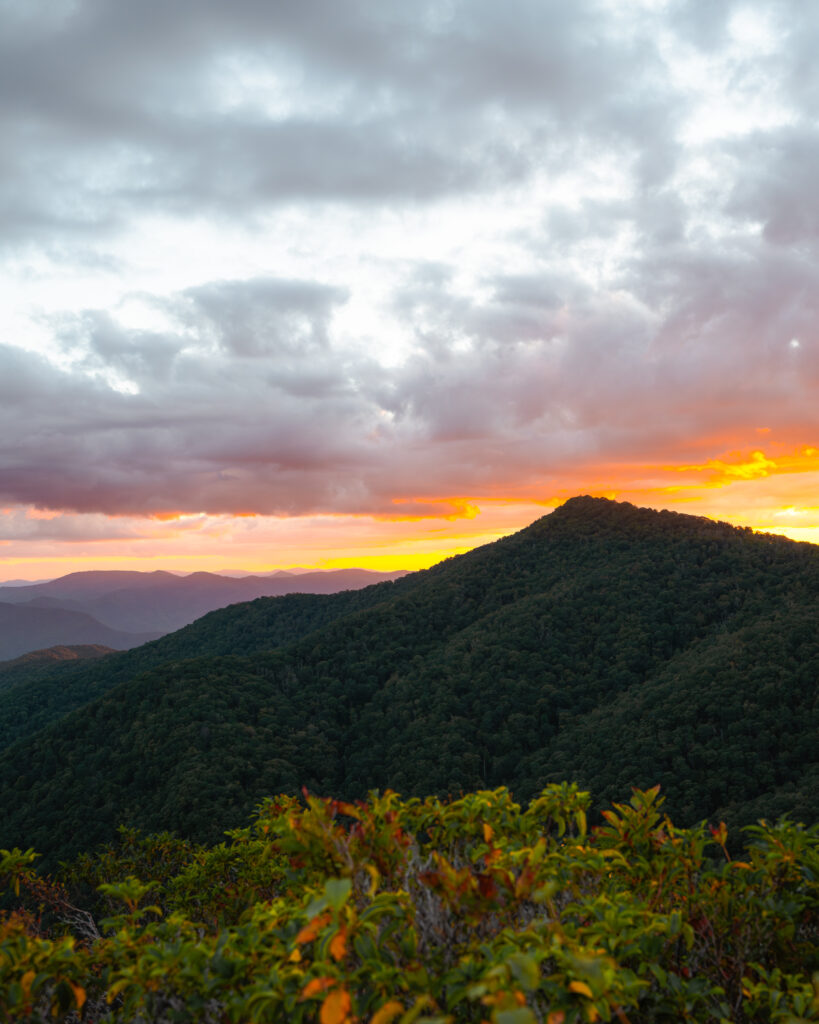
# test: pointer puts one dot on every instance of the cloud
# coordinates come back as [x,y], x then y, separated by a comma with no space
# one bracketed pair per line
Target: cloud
[24,526]
[234,107]
[250,405]
[265,317]
[392,256]
[777,191]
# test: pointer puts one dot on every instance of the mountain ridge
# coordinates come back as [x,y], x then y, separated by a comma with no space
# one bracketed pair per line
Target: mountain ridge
[504,665]
[160,602]
[24,629]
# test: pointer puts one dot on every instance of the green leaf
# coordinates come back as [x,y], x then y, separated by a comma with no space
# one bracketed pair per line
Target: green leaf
[337,891]
[525,971]
[315,907]
[520,1015]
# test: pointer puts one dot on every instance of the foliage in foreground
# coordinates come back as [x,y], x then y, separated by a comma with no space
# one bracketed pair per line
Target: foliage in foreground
[392,912]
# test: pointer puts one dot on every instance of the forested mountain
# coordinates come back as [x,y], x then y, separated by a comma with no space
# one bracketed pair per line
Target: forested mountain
[24,628]
[604,643]
[38,694]
[60,652]
[33,662]
[160,602]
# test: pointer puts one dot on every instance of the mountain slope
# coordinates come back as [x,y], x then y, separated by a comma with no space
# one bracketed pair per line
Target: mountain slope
[34,663]
[60,652]
[24,628]
[603,642]
[41,693]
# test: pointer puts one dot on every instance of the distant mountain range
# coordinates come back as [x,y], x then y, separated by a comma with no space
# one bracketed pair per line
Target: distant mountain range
[125,609]
[606,644]
[21,583]
[25,627]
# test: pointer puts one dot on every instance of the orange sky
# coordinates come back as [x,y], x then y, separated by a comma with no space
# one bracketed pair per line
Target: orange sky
[770,487]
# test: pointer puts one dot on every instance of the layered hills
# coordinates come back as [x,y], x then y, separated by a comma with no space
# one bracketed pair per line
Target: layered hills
[24,628]
[160,602]
[608,644]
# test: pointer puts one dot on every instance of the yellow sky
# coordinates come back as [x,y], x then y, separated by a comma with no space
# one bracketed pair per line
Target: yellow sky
[770,488]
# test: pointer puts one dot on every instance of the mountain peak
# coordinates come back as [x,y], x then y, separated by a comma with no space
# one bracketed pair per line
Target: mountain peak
[585,508]
[587,502]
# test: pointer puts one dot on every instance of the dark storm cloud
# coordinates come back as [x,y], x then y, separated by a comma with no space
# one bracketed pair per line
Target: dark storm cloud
[116,104]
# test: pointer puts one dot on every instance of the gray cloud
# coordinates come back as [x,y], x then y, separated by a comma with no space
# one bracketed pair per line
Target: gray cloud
[379,102]
[265,317]
[539,378]
[777,189]
[632,303]
[17,527]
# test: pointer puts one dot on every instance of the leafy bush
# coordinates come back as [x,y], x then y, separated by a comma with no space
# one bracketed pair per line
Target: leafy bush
[391,912]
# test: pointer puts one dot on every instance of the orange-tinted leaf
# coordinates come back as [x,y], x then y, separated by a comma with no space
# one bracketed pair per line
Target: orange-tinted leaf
[336,1007]
[311,930]
[488,832]
[79,994]
[26,980]
[316,985]
[389,1011]
[295,957]
[338,945]
[349,809]
[581,988]
[556,1017]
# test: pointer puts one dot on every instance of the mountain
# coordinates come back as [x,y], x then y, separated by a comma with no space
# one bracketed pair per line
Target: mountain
[604,643]
[44,693]
[25,628]
[160,602]
[22,583]
[60,652]
[73,652]
[34,663]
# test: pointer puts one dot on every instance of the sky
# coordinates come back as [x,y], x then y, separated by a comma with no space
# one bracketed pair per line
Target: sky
[311,283]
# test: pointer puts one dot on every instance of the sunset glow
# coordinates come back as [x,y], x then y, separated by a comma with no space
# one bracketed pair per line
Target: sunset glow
[744,489]
[312,286]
